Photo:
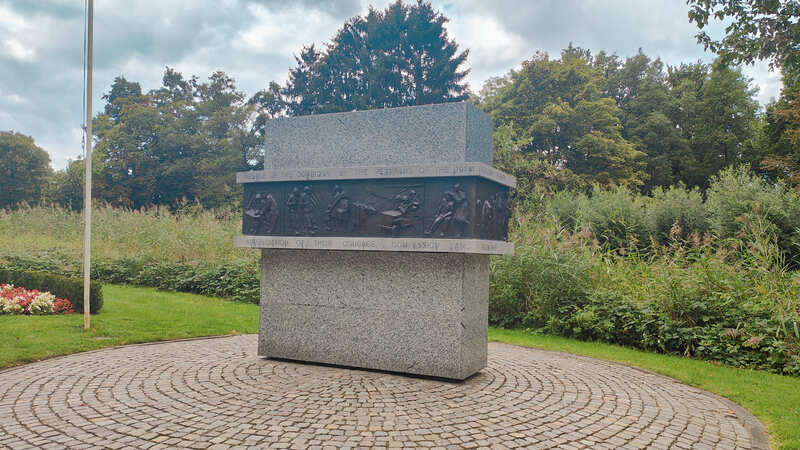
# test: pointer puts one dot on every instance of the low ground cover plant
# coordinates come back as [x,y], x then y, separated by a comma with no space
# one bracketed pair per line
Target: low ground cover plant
[18,300]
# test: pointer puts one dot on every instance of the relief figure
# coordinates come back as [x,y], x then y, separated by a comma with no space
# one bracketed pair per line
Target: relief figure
[403,213]
[262,211]
[452,213]
[343,214]
[301,204]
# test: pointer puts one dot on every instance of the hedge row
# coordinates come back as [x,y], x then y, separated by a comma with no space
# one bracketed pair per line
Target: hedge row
[63,287]
[234,281]
[698,304]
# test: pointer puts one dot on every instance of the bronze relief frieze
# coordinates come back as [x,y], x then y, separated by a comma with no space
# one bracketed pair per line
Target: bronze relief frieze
[446,207]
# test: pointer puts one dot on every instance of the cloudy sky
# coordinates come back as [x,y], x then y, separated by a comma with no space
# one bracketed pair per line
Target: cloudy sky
[41,45]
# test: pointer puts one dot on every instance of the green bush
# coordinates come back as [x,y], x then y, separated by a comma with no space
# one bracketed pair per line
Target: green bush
[617,218]
[737,196]
[676,206]
[734,303]
[236,281]
[531,286]
[63,287]
[566,205]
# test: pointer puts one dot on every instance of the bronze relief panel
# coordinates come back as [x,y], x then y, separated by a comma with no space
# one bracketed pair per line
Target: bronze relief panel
[452,207]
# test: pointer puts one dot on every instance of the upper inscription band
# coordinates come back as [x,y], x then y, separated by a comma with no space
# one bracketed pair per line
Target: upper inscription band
[465,169]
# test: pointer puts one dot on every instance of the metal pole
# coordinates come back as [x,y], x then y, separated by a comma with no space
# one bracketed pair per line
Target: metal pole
[87,192]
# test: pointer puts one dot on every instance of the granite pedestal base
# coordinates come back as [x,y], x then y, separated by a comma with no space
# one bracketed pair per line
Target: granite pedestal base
[418,313]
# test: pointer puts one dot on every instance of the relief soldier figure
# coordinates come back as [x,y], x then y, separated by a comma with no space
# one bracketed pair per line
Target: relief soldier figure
[307,203]
[486,217]
[402,216]
[453,212]
[339,212]
[262,211]
[494,214]
[502,212]
[292,203]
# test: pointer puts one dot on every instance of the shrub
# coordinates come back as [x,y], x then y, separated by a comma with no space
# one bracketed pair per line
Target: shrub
[736,196]
[734,303]
[676,205]
[67,288]
[528,288]
[238,281]
[565,206]
[617,218]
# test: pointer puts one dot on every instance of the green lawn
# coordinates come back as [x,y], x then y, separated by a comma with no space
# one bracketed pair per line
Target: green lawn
[129,315]
[135,314]
[774,399]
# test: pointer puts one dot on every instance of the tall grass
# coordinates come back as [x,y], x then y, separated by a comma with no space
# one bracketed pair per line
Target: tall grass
[192,236]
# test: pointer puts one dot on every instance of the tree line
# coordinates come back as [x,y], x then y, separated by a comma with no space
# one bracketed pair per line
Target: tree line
[566,122]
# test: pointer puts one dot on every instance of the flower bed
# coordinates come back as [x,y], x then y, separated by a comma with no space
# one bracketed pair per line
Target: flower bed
[18,300]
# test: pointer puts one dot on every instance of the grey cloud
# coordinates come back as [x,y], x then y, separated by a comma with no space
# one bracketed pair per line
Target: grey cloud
[336,8]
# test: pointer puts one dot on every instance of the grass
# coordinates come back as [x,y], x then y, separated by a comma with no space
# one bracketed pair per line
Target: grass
[130,315]
[773,399]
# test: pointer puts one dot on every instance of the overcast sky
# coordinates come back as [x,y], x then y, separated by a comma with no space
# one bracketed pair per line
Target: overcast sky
[41,45]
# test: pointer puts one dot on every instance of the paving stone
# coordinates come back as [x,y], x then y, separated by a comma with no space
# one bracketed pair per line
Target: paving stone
[217,393]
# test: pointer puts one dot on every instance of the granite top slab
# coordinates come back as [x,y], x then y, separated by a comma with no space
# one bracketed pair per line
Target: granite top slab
[424,134]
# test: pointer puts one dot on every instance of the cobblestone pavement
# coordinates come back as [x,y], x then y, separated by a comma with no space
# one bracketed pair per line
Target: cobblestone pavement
[216,393]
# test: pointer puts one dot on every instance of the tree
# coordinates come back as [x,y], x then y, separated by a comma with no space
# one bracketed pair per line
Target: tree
[639,88]
[66,189]
[396,57]
[181,142]
[758,30]
[122,91]
[716,111]
[781,140]
[24,169]
[560,107]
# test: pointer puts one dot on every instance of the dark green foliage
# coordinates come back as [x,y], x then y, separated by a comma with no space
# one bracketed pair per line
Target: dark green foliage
[532,286]
[24,170]
[677,212]
[399,56]
[616,218]
[561,109]
[238,282]
[736,199]
[62,287]
[181,142]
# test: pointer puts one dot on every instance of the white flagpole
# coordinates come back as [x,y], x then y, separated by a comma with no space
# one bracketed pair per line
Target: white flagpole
[87,192]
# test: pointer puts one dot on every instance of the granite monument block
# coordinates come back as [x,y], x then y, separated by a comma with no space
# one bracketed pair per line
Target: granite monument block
[375,229]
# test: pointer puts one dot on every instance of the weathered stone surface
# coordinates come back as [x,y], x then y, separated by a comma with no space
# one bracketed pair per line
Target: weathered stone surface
[427,134]
[217,393]
[422,313]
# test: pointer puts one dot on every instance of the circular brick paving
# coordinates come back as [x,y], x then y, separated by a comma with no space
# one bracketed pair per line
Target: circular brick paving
[216,393]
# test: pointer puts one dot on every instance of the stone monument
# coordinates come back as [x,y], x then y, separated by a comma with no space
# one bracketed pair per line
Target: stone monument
[375,229]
